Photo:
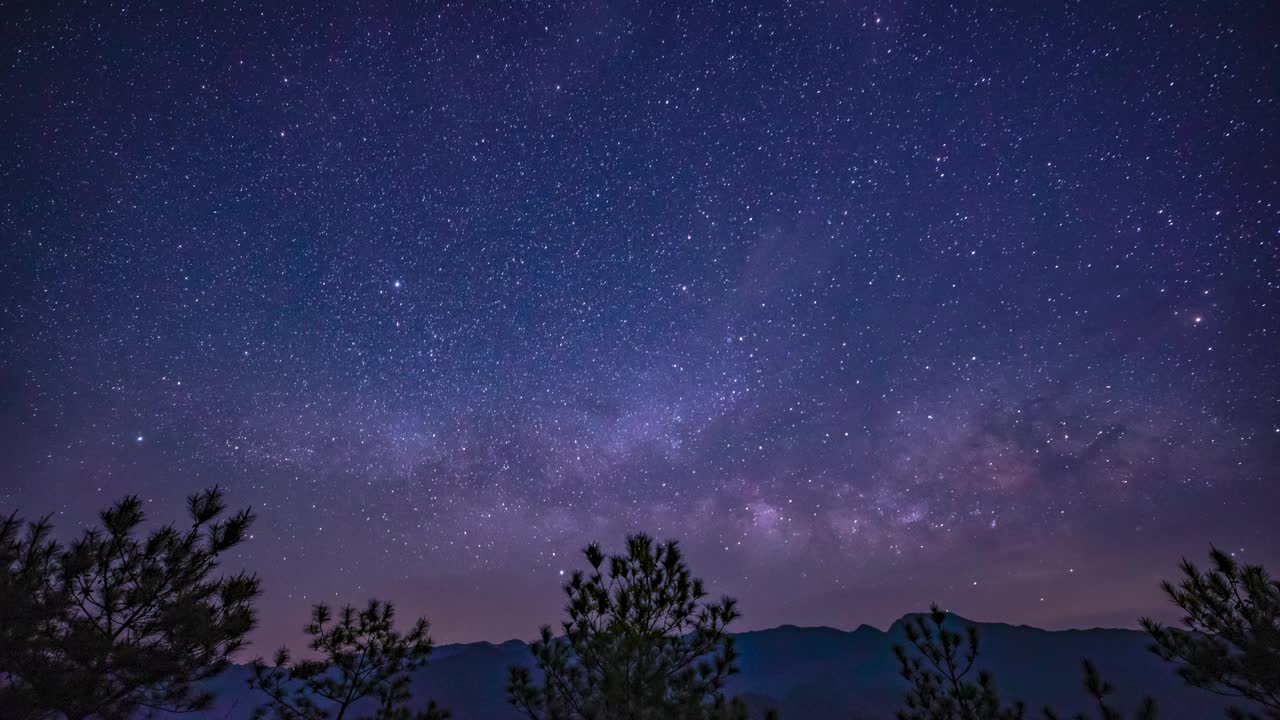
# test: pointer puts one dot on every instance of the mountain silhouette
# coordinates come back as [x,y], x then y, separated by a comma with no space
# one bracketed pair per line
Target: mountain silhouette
[822,673]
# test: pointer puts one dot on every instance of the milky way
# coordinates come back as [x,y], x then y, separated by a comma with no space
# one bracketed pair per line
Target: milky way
[868,305]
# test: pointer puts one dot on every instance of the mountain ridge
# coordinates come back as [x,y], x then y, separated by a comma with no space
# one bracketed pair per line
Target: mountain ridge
[826,673]
[861,627]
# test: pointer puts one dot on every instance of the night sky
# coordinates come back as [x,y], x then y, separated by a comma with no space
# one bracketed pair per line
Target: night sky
[870,305]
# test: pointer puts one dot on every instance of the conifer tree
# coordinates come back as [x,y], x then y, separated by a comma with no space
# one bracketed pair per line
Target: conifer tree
[1231,644]
[1099,689]
[115,623]
[940,688]
[363,664]
[640,643]
[940,678]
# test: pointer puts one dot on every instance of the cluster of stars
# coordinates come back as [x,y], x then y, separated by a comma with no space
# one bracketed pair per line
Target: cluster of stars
[867,309]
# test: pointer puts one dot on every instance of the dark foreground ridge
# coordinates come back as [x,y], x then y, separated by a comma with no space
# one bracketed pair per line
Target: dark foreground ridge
[821,673]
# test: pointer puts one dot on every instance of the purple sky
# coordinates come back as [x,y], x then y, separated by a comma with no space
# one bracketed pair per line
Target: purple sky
[868,305]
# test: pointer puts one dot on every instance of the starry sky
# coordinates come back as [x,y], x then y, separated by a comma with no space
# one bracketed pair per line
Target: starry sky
[868,304]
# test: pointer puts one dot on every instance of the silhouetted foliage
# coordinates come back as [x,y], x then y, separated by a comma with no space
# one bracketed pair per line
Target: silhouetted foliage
[361,656]
[640,642]
[939,675]
[1098,689]
[940,688]
[1232,642]
[734,709]
[113,623]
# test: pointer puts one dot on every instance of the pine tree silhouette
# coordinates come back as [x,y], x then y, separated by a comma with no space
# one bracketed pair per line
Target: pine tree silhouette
[939,675]
[1231,646]
[941,689]
[1098,689]
[363,657]
[640,642]
[115,623]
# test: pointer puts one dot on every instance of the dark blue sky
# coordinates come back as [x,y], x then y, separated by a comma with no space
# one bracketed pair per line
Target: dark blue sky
[870,305]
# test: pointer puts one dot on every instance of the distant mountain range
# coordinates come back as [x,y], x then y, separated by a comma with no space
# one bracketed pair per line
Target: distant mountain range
[820,673]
